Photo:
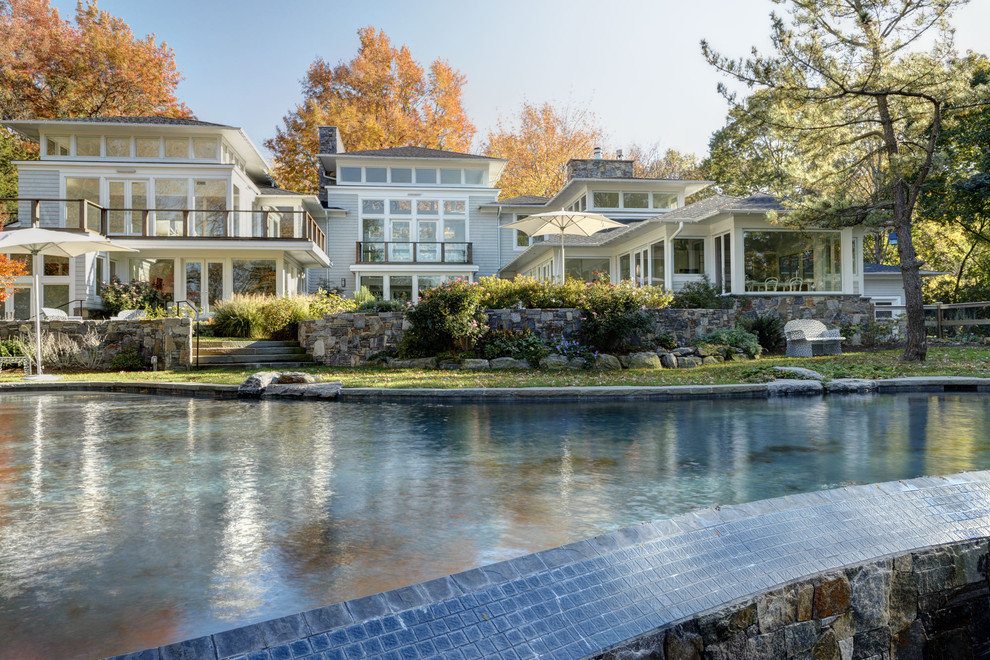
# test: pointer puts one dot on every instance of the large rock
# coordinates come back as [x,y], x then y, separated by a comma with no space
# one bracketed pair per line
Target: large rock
[475,363]
[256,383]
[845,385]
[303,390]
[681,352]
[509,363]
[791,387]
[832,596]
[606,362]
[554,362]
[688,362]
[644,361]
[415,363]
[801,372]
[870,596]
[293,378]
[668,360]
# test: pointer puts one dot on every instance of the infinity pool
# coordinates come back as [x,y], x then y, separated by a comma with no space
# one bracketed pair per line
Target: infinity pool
[132,521]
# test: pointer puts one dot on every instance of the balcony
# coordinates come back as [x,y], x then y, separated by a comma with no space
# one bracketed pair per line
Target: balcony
[164,223]
[378,252]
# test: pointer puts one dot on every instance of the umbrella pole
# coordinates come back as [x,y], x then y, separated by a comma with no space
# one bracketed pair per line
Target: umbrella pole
[37,314]
[562,275]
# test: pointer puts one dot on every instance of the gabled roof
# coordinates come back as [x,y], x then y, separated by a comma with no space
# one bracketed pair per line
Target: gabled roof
[565,194]
[272,190]
[885,269]
[161,121]
[414,152]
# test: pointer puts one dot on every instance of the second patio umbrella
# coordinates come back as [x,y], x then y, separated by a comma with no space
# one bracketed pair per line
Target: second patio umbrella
[563,222]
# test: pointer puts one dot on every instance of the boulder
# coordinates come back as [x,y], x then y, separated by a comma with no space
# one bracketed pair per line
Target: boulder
[844,385]
[475,363]
[683,351]
[792,387]
[554,362]
[709,359]
[801,372]
[509,363]
[415,363]
[256,383]
[668,361]
[606,362]
[703,351]
[450,365]
[303,390]
[688,362]
[293,378]
[644,361]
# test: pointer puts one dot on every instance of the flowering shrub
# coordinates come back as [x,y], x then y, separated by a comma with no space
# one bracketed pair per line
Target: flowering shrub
[329,302]
[132,295]
[613,313]
[447,318]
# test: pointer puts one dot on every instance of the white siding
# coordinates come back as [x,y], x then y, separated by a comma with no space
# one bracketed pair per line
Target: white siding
[39,184]
[342,233]
[484,237]
[883,287]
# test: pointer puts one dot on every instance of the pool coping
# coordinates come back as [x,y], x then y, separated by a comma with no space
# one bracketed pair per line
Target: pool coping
[779,387]
[592,596]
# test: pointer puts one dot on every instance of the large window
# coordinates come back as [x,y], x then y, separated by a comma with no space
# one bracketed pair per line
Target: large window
[210,202]
[254,276]
[82,188]
[627,199]
[689,256]
[402,222]
[587,269]
[658,260]
[159,272]
[792,261]
[170,194]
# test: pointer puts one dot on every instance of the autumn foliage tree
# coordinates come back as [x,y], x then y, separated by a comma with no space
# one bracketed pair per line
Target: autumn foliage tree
[10,270]
[382,98]
[94,66]
[538,142]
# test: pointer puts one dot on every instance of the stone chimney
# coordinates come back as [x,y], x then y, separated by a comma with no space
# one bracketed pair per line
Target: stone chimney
[599,168]
[330,143]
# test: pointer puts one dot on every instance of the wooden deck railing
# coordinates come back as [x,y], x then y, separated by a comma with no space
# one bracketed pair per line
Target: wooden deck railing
[433,252]
[165,223]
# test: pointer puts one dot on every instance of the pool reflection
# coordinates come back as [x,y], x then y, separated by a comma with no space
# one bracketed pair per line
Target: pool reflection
[128,522]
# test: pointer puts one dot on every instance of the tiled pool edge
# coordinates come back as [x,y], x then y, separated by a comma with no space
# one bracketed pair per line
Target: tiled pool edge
[781,387]
[593,596]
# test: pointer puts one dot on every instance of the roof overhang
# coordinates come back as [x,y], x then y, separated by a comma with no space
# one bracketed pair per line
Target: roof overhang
[255,164]
[688,187]
[306,253]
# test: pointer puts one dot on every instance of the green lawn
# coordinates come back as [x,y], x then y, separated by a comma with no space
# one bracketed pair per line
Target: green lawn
[942,361]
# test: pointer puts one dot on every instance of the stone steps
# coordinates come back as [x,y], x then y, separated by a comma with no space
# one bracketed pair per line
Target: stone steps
[252,354]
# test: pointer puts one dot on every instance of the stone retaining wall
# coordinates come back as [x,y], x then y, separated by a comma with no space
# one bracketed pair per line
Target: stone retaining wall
[351,339]
[97,342]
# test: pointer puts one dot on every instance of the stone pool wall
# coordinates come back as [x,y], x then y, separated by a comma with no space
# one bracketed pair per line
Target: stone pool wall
[93,344]
[892,571]
[351,339]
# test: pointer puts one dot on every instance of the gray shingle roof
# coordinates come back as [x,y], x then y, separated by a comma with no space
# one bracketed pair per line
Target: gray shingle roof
[159,121]
[413,152]
[523,200]
[271,190]
[871,268]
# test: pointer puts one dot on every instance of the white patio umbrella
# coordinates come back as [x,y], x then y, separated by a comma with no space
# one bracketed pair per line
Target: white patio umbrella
[563,222]
[38,242]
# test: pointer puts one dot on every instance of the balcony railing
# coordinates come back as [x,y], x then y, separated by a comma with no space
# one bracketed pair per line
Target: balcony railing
[379,252]
[164,223]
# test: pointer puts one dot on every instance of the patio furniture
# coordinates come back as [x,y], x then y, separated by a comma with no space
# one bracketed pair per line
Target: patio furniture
[22,360]
[808,337]
[770,284]
[53,314]
[795,284]
[129,315]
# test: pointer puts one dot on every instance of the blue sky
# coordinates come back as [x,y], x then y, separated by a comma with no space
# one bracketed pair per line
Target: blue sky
[635,63]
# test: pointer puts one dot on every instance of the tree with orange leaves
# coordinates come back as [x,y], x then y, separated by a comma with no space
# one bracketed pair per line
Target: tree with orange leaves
[10,270]
[382,98]
[538,146]
[95,67]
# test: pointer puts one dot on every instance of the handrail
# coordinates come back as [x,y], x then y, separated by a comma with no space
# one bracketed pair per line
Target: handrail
[66,305]
[177,303]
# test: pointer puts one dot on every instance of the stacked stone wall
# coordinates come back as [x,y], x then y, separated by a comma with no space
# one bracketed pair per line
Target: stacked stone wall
[351,339]
[933,603]
[97,342]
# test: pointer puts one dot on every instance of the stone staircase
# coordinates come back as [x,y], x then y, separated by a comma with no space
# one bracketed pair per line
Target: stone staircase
[266,355]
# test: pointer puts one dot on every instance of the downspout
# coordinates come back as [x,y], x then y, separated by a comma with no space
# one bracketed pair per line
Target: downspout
[498,240]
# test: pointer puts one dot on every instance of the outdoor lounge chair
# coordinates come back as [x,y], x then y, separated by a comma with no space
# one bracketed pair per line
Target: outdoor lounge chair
[808,337]
[129,315]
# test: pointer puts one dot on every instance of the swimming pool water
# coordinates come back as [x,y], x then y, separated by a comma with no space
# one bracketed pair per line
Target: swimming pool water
[132,521]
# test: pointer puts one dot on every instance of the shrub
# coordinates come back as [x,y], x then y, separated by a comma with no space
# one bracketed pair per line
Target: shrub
[447,318]
[10,348]
[376,305]
[666,341]
[611,315]
[278,318]
[132,295]
[571,348]
[127,359]
[769,331]
[701,295]
[238,316]
[363,295]
[329,302]
[505,343]
[736,338]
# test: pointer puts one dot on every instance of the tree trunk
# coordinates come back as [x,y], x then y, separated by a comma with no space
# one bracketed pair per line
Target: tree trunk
[917,337]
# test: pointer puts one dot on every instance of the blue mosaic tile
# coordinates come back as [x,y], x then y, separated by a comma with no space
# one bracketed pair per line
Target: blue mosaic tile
[372,647]
[282,652]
